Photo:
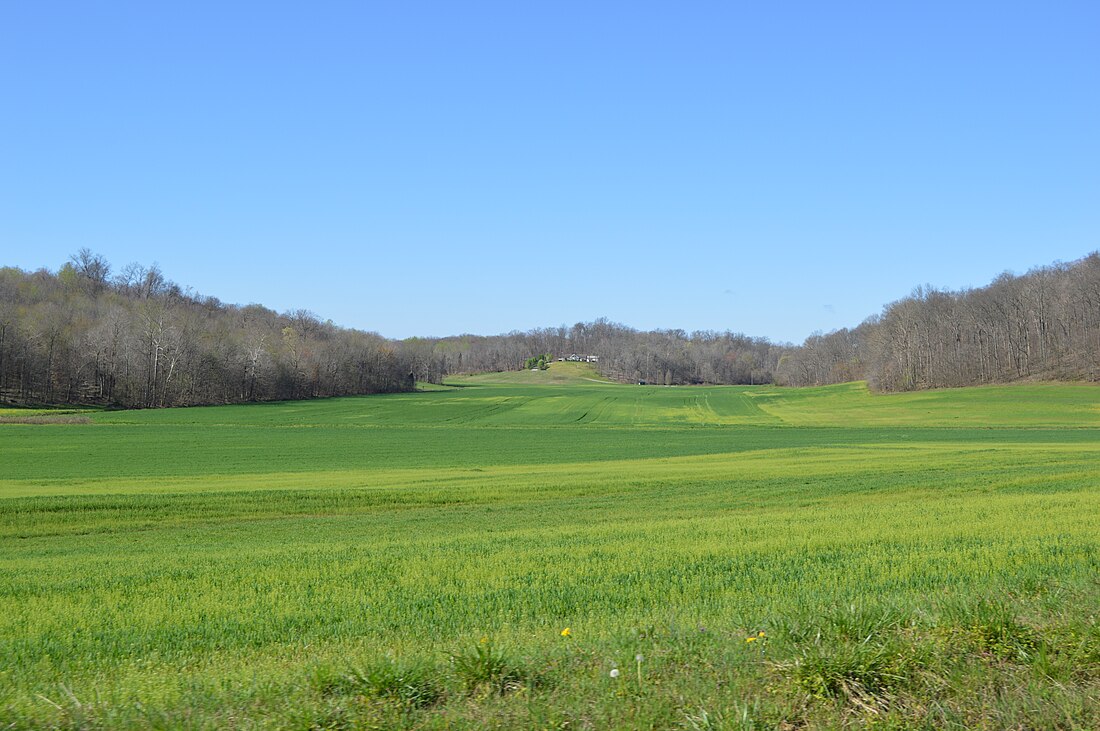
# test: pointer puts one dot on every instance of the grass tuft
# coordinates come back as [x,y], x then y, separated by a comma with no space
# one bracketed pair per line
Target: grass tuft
[486,666]
[413,684]
[859,672]
[993,628]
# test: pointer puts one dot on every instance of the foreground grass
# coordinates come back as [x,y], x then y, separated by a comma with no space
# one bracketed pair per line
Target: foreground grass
[1028,662]
[411,561]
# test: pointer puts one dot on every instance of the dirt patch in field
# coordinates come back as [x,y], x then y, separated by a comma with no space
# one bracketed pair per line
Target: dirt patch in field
[46,419]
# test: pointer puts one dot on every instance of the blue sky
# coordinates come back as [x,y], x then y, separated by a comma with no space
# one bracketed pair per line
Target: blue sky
[438,168]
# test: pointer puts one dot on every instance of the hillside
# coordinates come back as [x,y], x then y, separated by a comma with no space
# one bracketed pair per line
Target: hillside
[1042,325]
[558,374]
[79,336]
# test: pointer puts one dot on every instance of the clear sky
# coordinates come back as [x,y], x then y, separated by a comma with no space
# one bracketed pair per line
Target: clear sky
[434,168]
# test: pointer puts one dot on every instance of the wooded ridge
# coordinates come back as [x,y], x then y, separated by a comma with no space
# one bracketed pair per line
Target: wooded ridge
[79,336]
[82,336]
[1044,324]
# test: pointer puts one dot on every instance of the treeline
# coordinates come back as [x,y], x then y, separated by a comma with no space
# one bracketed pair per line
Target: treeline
[658,356]
[1044,324]
[135,339]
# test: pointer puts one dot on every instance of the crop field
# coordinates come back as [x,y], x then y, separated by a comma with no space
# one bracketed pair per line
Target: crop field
[546,550]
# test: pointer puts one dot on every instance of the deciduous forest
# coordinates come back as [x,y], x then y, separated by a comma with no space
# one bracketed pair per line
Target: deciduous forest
[86,335]
[1044,325]
[139,340]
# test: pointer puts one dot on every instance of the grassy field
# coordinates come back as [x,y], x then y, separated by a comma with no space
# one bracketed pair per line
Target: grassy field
[924,560]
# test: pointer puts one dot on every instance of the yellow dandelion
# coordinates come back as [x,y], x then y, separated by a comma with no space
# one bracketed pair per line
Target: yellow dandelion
[750,639]
[485,640]
[566,632]
[760,633]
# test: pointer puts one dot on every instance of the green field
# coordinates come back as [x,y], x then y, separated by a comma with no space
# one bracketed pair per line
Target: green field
[922,560]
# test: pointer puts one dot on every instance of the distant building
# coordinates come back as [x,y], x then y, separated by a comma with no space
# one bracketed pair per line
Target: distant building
[575,358]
